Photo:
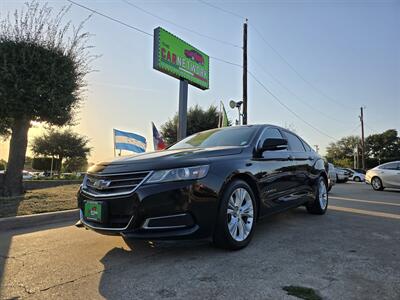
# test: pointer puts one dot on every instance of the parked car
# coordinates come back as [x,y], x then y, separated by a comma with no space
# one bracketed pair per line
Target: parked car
[215,183]
[26,175]
[360,171]
[331,176]
[384,176]
[356,176]
[342,175]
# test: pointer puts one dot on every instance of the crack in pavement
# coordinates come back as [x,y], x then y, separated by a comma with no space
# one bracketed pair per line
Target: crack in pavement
[73,280]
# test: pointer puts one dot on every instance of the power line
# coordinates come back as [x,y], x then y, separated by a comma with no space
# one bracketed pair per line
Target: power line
[288,108]
[293,93]
[140,30]
[180,26]
[110,18]
[223,10]
[280,55]
[297,72]
[225,61]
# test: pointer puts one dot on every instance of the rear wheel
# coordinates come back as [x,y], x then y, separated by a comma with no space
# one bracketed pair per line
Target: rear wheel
[357,179]
[320,203]
[236,218]
[376,183]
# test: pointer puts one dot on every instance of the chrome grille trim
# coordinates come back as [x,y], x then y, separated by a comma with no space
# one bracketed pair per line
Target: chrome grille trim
[101,193]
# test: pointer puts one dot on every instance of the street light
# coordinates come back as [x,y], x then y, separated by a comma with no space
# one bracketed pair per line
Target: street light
[238,104]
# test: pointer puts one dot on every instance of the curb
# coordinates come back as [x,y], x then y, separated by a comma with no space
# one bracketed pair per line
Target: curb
[20,222]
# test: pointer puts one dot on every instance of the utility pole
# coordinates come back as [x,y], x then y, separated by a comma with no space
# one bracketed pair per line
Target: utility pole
[362,138]
[244,118]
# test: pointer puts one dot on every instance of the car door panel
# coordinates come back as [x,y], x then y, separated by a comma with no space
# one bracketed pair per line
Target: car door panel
[276,180]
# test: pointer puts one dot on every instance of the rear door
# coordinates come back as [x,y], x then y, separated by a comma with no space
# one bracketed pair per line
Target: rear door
[302,161]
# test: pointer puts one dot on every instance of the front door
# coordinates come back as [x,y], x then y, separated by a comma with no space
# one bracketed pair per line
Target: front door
[276,172]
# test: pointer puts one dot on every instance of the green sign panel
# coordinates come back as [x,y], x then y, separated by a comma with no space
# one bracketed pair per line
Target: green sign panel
[177,58]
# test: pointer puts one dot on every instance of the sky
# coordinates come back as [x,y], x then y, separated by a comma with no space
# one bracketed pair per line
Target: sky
[322,61]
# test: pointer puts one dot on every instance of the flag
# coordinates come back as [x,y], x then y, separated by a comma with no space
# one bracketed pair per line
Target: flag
[224,117]
[129,141]
[157,140]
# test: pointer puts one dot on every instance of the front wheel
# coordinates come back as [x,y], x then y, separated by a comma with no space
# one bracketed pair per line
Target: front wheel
[357,179]
[320,203]
[236,218]
[376,183]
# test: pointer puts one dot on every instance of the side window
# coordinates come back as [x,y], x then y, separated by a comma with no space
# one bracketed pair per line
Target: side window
[307,146]
[295,143]
[390,166]
[270,133]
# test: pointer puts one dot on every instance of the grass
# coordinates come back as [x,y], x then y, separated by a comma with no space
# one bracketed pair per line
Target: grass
[39,201]
[302,292]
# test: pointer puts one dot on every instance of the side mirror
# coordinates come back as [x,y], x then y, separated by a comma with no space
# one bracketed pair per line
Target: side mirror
[273,145]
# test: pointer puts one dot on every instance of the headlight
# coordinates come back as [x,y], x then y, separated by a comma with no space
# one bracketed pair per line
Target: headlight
[179,174]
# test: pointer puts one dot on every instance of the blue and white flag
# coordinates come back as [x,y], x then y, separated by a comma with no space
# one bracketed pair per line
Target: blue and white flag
[129,141]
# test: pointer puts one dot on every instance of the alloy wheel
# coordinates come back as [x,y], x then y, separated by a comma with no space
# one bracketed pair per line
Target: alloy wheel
[240,214]
[376,183]
[322,195]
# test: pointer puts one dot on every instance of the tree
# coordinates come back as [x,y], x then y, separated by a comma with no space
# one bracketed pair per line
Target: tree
[341,153]
[61,145]
[198,120]
[75,164]
[43,66]
[45,164]
[384,146]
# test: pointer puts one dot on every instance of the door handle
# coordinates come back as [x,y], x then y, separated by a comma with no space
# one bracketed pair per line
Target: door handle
[310,158]
[290,157]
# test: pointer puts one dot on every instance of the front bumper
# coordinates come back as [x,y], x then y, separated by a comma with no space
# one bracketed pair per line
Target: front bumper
[174,210]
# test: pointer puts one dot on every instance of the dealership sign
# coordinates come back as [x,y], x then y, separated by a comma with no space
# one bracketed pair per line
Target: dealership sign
[179,59]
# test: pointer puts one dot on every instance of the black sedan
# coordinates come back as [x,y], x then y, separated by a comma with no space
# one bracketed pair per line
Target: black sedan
[217,183]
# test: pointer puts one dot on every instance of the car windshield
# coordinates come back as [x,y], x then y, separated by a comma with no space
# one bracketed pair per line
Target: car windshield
[232,136]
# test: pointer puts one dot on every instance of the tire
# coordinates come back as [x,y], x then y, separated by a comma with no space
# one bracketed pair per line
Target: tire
[320,203]
[357,179]
[236,217]
[376,184]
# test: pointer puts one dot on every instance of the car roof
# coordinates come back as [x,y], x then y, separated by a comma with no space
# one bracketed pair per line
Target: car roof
[390,162]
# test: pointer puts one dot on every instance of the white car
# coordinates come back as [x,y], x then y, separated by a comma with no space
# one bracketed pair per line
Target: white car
[384,176]
[26,175]
[331,176]
[356,176]
[342,175]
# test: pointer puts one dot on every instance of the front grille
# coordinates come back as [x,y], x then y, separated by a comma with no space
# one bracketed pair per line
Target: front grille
[102,185]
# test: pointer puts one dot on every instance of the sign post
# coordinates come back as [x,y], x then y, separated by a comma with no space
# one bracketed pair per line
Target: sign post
[181,60]
[182,114]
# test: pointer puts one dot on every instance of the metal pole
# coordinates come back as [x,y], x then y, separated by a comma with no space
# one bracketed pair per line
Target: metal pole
[220,115]
[51,167]
[244,116]
[114,141]
[362,139]
[182,114]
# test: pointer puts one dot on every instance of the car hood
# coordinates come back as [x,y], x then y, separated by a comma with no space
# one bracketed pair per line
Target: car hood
[163,159]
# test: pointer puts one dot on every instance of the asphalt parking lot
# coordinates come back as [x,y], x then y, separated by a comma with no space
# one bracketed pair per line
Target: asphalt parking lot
[352,252]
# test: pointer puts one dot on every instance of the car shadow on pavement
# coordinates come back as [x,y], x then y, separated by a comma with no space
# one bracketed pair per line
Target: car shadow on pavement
[147,269]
